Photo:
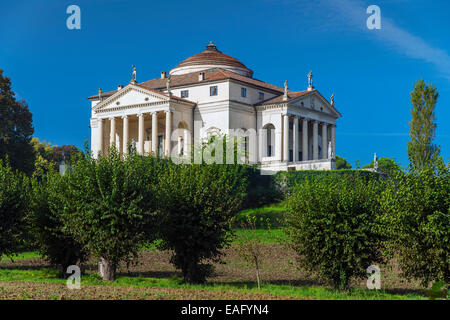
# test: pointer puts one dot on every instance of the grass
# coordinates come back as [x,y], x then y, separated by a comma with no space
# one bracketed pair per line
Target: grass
[305,292]
[22,255]
[273,214]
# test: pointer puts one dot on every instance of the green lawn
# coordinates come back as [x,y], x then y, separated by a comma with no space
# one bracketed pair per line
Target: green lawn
[314,292]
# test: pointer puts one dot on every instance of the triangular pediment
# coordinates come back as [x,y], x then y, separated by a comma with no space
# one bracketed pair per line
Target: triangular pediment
[315,101]
[131,95]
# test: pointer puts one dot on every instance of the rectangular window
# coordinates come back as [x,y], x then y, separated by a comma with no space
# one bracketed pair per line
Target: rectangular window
[243,92]
[261,96]
[184,93]
[213,91]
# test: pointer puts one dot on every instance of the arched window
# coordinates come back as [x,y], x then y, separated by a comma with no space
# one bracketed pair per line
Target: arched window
[269,139]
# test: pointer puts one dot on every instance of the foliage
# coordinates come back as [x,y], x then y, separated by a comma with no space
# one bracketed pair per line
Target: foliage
[273,213]
[49,157]
[341,163]
[333,226]
[421,151]
[109,205]
[46,208]
[417,222]
[385,165]
[285,181]
[196,205]
[16,129]
[13,206]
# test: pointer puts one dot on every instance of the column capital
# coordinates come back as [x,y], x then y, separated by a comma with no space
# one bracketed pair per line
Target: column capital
[168,111]
[140,114]
[125,116]
[112,118]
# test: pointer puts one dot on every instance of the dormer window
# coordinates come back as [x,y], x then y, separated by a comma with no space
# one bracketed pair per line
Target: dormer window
[243,92]
[261,96]
[185,93]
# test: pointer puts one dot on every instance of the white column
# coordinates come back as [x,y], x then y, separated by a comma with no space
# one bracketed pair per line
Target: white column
[168,132]
[187,143]
[112,134]
[316,140]
[285,137]
[324,141]
[333,138]
[295,139]
[100,136]
[154,133]
[305,140]
[141,133]
[125,135]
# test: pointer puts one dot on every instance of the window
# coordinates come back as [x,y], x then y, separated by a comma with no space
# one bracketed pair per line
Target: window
[243,92]
[261,96]
[184,93]
[181,146]
[213,91]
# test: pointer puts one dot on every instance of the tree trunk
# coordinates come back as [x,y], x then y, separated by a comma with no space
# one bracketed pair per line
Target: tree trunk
[107,269]
[257,274]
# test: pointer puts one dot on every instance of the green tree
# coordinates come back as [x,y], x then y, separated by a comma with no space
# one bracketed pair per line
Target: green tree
[13,206]
[46,226]
[341,163]
[109,205]
[417,222]
[333,226]
[16,129]
[421,150]
[196,205]
[385,165]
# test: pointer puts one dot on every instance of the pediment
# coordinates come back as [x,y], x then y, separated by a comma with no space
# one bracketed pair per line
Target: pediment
[130,95]
[316,102]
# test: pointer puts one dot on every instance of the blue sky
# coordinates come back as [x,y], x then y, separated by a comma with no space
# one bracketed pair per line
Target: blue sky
[371,72]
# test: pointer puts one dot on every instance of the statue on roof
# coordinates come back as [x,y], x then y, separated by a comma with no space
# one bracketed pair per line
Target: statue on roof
[332,100]
[285,97]
[100,93]
[310,80]
[168,85]
[375,162]
[133,79]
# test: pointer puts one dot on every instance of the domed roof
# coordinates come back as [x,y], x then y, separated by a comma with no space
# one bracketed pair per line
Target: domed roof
[209,58]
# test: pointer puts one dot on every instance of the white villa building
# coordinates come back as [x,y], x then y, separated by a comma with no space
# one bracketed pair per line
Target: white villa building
[211,93]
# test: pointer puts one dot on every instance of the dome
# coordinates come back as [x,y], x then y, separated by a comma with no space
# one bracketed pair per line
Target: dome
[211,58]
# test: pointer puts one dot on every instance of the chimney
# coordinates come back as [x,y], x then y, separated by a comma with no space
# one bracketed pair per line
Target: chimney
[163,75]
[201,76]
[119,87]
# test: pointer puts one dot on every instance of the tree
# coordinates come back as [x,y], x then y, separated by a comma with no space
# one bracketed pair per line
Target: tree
[13,206]
[417,221]
[53,243]
[196,205]
[109,205]
[421,150]
[49,157]
[333,223]
[386,165]
[16,129]
[341,163]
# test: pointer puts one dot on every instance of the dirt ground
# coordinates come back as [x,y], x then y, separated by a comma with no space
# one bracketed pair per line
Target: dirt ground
[279,267]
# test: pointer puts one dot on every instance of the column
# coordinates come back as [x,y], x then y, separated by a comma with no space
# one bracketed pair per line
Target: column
[112,134]
[305,140]
[154,133]
[316,140]
[285,137]
[168,132]
[125,135]
[141,133]
[295,139]
[333,138]
[100,136]
[324,141]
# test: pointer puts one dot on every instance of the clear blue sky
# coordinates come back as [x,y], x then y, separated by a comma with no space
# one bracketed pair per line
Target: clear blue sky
[371,72]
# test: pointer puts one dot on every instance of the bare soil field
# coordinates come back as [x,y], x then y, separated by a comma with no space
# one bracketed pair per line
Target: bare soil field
[279,267]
